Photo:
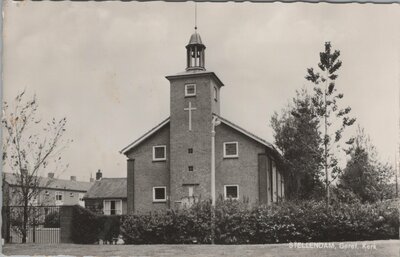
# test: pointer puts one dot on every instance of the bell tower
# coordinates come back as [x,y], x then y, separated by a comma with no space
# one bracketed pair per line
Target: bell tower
[194,98]
[195,53]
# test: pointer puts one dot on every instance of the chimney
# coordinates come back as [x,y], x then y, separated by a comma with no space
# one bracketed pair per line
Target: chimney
[98,175]
[73,178]
[50,175]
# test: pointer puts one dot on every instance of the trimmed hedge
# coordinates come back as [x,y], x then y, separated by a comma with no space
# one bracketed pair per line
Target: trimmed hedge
[88,227]
[236,223]
[52,220]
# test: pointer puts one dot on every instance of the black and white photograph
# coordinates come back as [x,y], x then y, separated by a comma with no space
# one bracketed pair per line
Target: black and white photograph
[200,129]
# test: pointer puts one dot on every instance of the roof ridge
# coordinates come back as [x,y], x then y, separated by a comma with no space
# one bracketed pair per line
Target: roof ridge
[62,179]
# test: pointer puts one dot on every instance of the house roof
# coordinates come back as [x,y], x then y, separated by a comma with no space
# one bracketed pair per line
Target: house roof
[52,183]
[108,188]
[223,120]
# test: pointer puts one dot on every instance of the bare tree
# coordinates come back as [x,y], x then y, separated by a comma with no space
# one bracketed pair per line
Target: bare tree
[29,147]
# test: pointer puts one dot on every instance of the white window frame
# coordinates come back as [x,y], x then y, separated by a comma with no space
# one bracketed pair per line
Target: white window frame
[154,194]
[59,202]
[80,199]
[186,91]
[154,153]
[191,191]
[225,195]
[117,211]
[237,150]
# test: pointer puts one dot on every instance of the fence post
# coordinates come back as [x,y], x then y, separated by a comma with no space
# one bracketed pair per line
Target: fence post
[34,230]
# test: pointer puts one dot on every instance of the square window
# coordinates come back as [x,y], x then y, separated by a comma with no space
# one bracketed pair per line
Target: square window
[231,150]
[190,90]
[159,194]
[159,153]
[231,192]
[190,150]
[190,168]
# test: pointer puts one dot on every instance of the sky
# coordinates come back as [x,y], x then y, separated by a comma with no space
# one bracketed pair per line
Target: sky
[103,66]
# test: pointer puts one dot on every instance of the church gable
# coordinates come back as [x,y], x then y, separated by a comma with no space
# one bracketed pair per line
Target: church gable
[149,146]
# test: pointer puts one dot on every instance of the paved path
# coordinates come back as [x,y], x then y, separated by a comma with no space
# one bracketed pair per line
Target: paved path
[343,249]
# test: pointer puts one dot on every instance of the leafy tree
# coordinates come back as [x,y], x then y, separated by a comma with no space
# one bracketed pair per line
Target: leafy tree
[333,119]
[366,177]
[28,148]
[297,136]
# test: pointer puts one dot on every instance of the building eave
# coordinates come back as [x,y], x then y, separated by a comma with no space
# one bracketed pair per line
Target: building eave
[144,136]
[195,73]
[245,132]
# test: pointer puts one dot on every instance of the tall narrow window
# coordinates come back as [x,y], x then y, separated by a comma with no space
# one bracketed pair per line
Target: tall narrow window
[190,150]
[215,94]
[190,89]
[231,150]
[81,201]
[59,198]
[159,153]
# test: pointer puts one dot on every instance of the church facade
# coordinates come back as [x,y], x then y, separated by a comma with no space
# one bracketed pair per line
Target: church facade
[196,154]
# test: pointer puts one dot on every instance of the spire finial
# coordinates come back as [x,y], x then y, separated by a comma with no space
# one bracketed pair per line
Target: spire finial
[195,16]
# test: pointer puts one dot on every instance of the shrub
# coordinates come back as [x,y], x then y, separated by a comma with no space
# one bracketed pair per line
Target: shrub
[238,223]
[52,220]
[88,227]
[84,227]
[108,227]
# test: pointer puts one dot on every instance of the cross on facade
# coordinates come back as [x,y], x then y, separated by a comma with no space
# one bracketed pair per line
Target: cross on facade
[190,109]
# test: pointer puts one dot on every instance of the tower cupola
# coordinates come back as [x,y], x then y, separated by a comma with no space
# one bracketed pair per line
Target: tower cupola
[195,53]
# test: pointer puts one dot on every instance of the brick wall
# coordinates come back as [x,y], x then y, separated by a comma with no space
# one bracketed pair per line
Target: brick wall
[148,173]
[199,138]
[130,183]
[242,171]
[65,224]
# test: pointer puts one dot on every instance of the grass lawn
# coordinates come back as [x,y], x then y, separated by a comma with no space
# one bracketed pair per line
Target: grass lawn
[354,249]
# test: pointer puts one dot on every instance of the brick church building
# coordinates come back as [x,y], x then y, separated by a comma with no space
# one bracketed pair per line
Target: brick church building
[196,153]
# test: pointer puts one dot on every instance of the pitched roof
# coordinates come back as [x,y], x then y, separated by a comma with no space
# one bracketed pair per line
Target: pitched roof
[245,132]
[52,183]
[108,188]
[146,135]
[223,120]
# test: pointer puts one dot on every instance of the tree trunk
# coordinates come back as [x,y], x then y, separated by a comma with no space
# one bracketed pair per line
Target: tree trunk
[25,222]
